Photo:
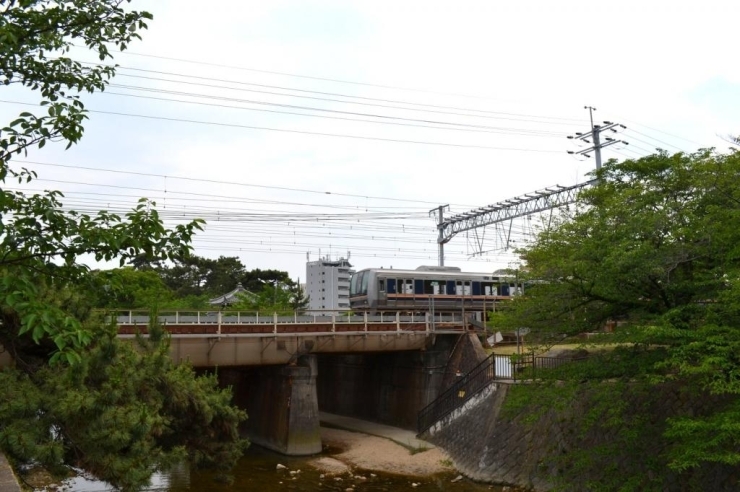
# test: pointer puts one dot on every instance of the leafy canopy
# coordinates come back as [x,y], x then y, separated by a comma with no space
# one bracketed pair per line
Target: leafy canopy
[77,396]
[654,246]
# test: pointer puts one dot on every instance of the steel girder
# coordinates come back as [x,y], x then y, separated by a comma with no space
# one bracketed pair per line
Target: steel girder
[521,206]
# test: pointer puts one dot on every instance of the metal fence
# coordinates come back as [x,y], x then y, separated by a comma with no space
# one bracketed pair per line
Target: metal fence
[245,317]
[526,367]
[502,368]
[466,387]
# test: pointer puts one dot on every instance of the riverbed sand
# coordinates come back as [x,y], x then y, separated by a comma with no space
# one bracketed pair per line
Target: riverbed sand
[379,454]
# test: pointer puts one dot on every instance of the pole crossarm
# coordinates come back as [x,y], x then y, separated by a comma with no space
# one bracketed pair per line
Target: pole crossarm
[521,206]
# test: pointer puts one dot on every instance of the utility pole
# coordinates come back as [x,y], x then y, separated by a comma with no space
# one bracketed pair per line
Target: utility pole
[594,137]
[439,212]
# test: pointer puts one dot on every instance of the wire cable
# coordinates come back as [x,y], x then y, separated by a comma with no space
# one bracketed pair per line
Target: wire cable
[304,132]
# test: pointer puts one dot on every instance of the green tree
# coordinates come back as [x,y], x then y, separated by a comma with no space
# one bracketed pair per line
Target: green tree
[78,396]
[255,280]
[198,276]
[277,298]
[127,288]
[653,245]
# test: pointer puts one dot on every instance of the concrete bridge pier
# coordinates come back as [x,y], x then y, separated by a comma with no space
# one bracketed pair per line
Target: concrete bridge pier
[281,403]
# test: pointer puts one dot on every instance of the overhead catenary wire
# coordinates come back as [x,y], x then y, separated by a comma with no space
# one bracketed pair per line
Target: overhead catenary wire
[234,183]
[471,112]
[449,126]
[303,132]
[294,75]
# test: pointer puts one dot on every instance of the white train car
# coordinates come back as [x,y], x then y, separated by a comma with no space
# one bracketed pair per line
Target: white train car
[428,287]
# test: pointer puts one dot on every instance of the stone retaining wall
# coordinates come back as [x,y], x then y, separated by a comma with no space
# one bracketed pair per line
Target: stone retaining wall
[490,445]
[8,480]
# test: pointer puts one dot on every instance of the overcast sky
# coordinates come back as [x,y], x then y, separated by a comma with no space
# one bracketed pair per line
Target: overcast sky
[462,103]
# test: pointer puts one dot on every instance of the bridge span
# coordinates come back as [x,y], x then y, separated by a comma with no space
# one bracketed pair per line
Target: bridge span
[221,339]
[282,369]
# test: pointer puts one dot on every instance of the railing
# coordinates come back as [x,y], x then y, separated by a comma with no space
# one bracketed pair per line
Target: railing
[493,368]
[142,317]
[466,387]
[526,367]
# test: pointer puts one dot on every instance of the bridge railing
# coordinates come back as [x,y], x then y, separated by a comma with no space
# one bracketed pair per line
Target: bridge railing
[183,317]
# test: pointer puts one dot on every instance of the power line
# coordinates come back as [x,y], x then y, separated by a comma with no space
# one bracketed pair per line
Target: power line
[521,132]
[235,183]
[483,113]
[308,77]
[304,132]
[660,131]
[652,138]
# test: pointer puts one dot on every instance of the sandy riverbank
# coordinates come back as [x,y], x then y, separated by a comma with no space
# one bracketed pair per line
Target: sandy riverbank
[378,454]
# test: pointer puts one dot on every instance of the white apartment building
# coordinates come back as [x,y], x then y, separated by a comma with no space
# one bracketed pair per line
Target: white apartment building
[327,284]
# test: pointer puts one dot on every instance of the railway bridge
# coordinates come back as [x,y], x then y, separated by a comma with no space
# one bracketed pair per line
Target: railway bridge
[383,367]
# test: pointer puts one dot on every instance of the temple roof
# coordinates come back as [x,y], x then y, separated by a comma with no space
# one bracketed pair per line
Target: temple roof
[230,297]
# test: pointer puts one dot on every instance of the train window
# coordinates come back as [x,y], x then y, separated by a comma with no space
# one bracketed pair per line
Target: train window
[408,286]
[353,284]
[381,285]
[365,279]
[451,287]
[418,286]
[434,287]
[476,289]
[391,285]
[489,289]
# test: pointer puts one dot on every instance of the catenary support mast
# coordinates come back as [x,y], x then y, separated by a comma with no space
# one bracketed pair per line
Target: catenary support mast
[529,203]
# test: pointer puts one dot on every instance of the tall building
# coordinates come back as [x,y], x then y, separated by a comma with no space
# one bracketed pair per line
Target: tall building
[327,284]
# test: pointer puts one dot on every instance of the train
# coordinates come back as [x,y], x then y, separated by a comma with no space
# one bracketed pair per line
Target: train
[429,288]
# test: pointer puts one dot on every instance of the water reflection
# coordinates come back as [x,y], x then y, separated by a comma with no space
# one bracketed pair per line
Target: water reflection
[256,471]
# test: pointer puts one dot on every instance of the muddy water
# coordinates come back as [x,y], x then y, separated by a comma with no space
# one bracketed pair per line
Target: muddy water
[257,472]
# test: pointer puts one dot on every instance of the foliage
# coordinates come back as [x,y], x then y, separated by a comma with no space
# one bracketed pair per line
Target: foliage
[278,298]
[654,246]
[122,413]
[194,275]
[76,395]
[129,288]
[126,288]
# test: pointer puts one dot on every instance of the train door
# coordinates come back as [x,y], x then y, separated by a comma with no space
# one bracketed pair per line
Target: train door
[383,286]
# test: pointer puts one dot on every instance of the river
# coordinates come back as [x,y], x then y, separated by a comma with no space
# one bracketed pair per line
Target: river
[257,471]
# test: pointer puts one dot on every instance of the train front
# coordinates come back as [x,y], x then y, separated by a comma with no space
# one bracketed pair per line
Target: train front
[359,299]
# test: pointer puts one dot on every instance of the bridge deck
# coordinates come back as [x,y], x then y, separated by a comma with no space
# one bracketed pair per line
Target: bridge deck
[209,339]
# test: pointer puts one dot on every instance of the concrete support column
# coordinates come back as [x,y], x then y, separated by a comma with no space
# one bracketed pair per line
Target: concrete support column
[283,407]
[303,408]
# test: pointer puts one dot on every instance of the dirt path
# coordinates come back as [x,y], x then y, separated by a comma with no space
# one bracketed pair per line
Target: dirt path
[380,454]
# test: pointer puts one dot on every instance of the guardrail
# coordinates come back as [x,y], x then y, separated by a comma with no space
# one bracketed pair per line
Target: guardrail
[140,317]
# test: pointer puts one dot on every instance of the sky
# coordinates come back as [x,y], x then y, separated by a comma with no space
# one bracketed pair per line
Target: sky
[328,128]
